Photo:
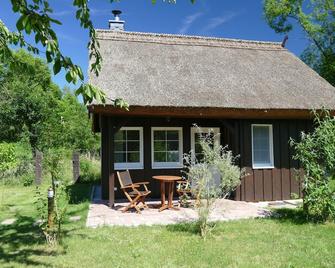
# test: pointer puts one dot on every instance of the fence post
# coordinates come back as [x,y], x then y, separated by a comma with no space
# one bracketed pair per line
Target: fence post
[38,167]
[76,166]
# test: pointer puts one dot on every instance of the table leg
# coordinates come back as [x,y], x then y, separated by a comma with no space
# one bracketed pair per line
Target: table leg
[162,193]
[170,205]
[163,206]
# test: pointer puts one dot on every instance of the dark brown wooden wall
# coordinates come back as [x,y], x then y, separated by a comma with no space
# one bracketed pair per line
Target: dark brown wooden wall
[281,182]
[272,184]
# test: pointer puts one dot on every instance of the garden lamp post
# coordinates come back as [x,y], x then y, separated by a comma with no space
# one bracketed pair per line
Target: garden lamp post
[50,207]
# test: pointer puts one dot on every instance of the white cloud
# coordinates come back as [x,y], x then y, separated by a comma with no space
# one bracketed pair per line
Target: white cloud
[99,12]
[68,38]
[218,21]
[63,13]
[93,12]
[188,21]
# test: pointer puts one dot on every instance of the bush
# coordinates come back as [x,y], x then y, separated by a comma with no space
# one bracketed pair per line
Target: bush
[8,158]
[316,153]
[21,170]
[27,179]
[89,170]
[214,176]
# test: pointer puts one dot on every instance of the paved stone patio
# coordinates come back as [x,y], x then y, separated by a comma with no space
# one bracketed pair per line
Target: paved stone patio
[100,214]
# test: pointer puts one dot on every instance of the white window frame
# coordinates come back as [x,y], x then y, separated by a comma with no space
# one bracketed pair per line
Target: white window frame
[204,130]
[262,166]
[167,165]
[137,165]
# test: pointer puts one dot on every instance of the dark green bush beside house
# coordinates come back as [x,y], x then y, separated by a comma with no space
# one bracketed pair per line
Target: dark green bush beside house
[257,94]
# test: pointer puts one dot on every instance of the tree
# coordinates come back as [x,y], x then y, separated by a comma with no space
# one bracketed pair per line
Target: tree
[27,98]
[317,19]
[36,20]
[316,153]
[69,126]
[33,107]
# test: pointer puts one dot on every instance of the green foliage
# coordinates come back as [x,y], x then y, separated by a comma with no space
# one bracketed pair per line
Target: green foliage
[45,116]
[89,170]
[316,153]
[25,110]
[317,19]
[69,126]
[20,170]
[54,163]
[8,158]
[214,176]
[35,20]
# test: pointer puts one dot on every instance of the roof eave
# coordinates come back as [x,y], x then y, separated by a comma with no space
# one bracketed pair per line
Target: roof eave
[203,112]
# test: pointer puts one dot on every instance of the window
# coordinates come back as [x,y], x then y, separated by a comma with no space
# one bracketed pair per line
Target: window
[128,148]
[167,147]
[196,134]
[262,146]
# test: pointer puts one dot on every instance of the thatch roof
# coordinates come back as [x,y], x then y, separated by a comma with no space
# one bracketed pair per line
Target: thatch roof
[187,71]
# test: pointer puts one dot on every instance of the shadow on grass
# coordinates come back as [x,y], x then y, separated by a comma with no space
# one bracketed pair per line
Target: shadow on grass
[289,215]
[17,241]
[191,227]
[79,193]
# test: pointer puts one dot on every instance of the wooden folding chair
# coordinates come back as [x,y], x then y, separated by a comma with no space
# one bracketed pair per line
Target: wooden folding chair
[132,191]
[184,191]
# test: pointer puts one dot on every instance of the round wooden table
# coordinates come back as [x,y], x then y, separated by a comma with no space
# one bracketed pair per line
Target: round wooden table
[167,182]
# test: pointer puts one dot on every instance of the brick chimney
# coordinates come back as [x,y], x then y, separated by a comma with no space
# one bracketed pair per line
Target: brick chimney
[117,24]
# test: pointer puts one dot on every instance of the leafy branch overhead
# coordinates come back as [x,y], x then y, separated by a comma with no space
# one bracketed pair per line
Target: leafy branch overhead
[35,20]
[317,19]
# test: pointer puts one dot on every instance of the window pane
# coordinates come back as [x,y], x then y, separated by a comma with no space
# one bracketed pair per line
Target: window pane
[120,146]
[120,135]
[261,145]
[133,146]
[120,157]
[159,135]
[159,146]
[172,145]
[133,157]
[199,157]
[127,146]
[133,135]
[173,157]
[172,135]
[262,157]
[198,148]
[159,157]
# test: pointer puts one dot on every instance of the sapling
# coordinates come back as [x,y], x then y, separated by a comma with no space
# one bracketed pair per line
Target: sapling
[213,176]
[53,162]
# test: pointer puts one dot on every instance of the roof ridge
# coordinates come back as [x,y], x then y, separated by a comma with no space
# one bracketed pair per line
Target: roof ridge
[176,39]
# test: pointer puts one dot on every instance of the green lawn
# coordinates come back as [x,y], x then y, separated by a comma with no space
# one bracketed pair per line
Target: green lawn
[285,242]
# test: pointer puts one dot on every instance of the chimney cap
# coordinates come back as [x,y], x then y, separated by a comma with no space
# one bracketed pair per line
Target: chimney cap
[116,12]
[116,24]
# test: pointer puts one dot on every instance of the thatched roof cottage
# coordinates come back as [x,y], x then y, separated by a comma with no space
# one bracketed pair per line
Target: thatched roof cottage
[256,94]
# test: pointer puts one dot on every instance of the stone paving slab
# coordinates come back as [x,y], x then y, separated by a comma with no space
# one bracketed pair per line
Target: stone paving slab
[8,221]
[100,214]
[75,218]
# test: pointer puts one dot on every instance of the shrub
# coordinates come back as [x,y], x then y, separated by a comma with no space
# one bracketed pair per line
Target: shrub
[27,179]
[89,170]
[21,169]
[316,153]
[8,158]
[54,160]
[214,176]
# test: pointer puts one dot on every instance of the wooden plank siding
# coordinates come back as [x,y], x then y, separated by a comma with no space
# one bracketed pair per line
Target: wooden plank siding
[259,184]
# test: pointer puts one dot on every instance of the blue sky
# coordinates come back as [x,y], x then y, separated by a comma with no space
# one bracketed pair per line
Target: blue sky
[220,18]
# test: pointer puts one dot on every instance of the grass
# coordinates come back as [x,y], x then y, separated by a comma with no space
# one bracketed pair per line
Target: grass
[287,241]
